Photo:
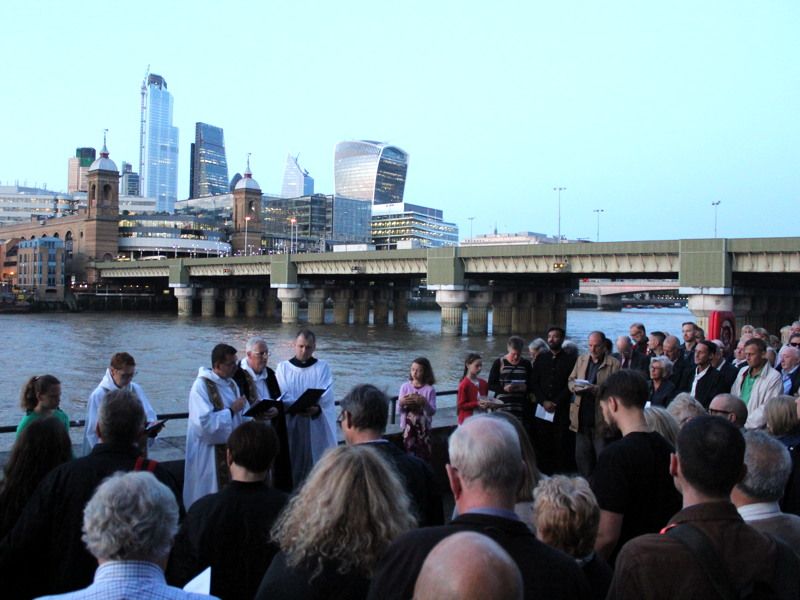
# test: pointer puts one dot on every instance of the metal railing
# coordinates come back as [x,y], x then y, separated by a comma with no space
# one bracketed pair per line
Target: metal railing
[185,415]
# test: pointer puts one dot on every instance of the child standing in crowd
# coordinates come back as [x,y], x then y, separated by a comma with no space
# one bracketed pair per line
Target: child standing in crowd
[40,398]
[471,388]
[416,405]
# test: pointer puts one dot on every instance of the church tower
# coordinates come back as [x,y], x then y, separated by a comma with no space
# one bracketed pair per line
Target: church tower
[102,217]
[247,224]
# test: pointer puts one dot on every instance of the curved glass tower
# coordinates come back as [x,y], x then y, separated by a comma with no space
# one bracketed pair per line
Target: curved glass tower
[372,171]
[296,180]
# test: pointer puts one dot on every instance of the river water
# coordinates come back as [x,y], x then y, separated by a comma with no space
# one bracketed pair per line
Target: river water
[76,348]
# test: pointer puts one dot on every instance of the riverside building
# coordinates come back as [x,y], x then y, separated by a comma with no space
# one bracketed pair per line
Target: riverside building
[158,162]
[209,166]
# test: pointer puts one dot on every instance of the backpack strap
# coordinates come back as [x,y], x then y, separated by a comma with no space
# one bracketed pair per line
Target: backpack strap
[145,464]
[707,557]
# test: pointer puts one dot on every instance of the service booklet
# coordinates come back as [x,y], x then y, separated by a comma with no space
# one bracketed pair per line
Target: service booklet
[306,400]
[262,406]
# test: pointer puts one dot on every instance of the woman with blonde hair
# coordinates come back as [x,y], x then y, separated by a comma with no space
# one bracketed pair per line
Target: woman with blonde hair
[351,507]
[659,420]
[784,424]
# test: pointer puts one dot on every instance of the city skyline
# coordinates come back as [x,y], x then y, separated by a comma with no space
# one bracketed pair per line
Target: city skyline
[648,113]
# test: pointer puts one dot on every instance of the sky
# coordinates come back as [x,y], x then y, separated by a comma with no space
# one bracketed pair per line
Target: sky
[647,111]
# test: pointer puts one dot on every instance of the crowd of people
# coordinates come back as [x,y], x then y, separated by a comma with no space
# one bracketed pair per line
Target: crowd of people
[652,466]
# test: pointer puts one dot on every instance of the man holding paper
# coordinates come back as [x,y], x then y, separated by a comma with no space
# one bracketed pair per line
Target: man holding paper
[312,428]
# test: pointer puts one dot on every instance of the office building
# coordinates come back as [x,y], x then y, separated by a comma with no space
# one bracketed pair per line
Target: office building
[77,167]
[370,171]
[41,267]
[129,181]
[19,204]
[407,225]
[209,167]
[158,162]
[296,224]
[296,180]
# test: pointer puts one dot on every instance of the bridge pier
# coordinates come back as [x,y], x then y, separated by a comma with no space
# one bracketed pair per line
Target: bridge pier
[316,305]
[559,312]
[400,307]
[251,298]
[208,298]
[270,304]
[341,305]
[502,304]
[185,297]
[452,304]
[380,306]
[521,314]
[232,302]
[478,312]
[609,302]
[290,303]
[361,306]
[542,311]
[702,305]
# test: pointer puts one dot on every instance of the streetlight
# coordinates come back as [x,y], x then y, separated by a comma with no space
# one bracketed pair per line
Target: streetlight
[559,190]
[246,221]
[470,219]
[597,211]
[716,207]
[293,235]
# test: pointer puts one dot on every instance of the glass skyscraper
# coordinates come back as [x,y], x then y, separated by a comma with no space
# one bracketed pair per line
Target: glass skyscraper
[371,171]
[296,180]
[366,173]
[159,150]
[209,168]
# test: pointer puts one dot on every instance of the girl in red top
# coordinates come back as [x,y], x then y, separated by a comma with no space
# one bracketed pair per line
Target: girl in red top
[471,387]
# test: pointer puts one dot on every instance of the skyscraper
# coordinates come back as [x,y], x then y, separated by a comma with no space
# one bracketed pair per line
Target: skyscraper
[158,159]
[78,167]
[296,180]
[128,181]
[209,168]
[373,171]
[365,173]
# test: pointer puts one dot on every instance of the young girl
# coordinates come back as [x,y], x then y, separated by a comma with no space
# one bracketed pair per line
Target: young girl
[471,387]
[416,405]
[40,398]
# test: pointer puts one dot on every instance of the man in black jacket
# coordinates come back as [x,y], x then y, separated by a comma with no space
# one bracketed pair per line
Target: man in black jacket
[44,553]
[553,442]
[484,471]
[704,381]
[365,412]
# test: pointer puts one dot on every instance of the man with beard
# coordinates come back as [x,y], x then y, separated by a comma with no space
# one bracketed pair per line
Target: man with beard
[553,441]
[704,381]
[631,480]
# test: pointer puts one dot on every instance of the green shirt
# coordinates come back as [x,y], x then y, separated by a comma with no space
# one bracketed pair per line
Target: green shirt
[747,385]
[31,416]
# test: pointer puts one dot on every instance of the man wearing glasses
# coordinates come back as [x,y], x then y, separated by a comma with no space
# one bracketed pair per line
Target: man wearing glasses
[215,409]
[119,376]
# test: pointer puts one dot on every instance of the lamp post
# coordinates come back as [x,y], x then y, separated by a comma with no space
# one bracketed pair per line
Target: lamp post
[293,235]
[716,208]
[246,222]
[470,219]
[597,211]
[559,190]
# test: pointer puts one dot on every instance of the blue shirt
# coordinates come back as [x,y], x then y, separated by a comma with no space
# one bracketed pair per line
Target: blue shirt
[129,579]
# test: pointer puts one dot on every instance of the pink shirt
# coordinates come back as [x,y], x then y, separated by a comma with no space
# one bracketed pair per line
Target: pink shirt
[426,391]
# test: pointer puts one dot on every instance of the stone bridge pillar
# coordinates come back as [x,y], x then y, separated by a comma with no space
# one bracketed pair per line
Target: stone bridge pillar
[316,305]
[208,298]
[560,309]
[341,305]
[542,311]
[502,307]
[185,296]
[609,302]
[400,308]
[521,314]
[290,303]
[702,306]
[478,312]
[361,306]
[452,303]
[251,298]
[232,302]
[380,309]
[270,304]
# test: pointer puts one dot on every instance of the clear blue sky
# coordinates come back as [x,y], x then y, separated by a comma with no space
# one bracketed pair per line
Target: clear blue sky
[649,111]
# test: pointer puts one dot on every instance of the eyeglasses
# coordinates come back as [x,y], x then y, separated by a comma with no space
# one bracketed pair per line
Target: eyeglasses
[263,354]
[715,412]
[340,418]
[123,375]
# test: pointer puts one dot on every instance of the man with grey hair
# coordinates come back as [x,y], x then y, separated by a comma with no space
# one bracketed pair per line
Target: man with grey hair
[729,407]
[258,382]
[128,526]
[44,554]
[468,566]
[484,472]
[756,496]
[363,417]
[790,373]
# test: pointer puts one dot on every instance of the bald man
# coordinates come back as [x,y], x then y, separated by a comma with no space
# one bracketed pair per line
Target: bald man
[468,566]
[729,407]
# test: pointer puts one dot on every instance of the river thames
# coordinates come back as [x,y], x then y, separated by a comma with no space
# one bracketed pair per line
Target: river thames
[76,348]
